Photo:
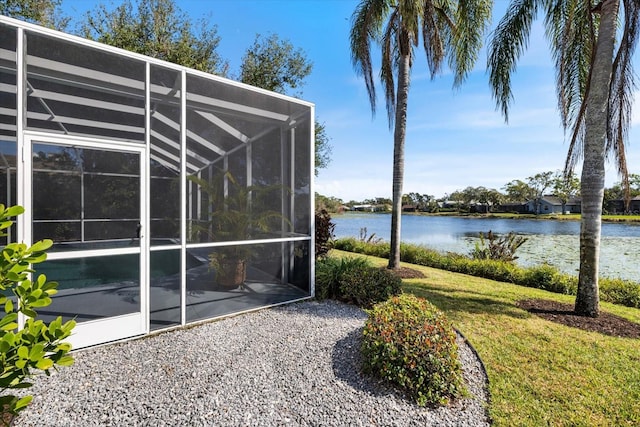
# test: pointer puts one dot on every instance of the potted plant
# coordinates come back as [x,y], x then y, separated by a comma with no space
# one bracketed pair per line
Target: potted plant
[230,217]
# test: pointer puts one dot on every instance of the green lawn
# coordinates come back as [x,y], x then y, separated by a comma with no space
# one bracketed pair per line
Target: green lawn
[540,372]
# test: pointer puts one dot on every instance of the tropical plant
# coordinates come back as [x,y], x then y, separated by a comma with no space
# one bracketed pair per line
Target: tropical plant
[595,82]
[324,233]
[498,248]
[241,213]
[37,345]
[451,30]
[365,237]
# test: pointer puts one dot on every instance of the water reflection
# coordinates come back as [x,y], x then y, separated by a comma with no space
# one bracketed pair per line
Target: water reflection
[553,242]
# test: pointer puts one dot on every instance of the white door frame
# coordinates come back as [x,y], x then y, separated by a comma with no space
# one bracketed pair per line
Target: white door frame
[105,329]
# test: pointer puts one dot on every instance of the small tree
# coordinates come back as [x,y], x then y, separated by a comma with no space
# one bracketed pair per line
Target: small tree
[37,346]
[157,28]
[539,183]
[275,64]
[565,187]
[518,191]
[42,12]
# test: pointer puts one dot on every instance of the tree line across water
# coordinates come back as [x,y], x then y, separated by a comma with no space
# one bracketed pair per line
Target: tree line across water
[550,183]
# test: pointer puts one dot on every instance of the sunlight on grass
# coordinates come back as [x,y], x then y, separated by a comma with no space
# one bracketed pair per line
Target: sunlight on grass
[540,372]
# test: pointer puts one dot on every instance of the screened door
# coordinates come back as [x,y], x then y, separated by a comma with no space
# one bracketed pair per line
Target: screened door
[87,196]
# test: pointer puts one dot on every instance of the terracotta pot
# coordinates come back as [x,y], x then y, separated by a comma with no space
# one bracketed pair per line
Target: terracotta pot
[232,273]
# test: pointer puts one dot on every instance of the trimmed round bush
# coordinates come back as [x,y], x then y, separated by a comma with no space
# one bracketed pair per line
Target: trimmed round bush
[365,286]
[408,342]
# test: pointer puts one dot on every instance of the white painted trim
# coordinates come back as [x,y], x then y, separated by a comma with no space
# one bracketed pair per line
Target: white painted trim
[111,328]
[101,331]
[312,202]
[247,242]
[183,197]
[99,46]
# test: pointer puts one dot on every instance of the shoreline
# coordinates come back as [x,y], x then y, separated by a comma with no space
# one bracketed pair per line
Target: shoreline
[629,219]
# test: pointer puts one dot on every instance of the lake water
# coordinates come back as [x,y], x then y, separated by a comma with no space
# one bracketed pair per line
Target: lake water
[553,242]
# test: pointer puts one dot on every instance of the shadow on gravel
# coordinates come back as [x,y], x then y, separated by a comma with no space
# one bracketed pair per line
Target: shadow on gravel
[346,361]
[325,309]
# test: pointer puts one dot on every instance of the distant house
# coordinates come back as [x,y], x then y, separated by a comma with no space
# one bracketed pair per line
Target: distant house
[617,206]
[369,208]
[410,208]
[553,205]
[513,207]
[449,204]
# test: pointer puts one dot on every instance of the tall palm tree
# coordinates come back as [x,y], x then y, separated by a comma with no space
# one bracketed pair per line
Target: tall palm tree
[594,82]
[451,30]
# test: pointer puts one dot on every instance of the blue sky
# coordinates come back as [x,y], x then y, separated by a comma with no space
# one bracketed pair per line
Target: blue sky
[455,137]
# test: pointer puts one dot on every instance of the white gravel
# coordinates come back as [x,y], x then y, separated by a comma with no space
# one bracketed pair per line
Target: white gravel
[291,365]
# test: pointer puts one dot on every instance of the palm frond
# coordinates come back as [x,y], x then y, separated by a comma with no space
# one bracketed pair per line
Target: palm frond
[472,19]
[390,52]
[367,22]
[622,89]
[570,29]
[506,44]
[434,40]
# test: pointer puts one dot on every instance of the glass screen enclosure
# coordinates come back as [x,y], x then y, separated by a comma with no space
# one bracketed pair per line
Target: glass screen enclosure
[172,196]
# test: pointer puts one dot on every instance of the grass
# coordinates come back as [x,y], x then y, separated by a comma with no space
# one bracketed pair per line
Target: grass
[540,372]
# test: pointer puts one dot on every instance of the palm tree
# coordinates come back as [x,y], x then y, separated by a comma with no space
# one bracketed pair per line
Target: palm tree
[451,30]
[594,82]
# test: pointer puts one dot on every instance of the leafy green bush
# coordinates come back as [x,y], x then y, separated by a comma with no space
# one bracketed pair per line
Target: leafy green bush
[355,281]
[550,279]
[410,343]
[546,277]
[366,286]
[329,272]
[37,346]
[617,291]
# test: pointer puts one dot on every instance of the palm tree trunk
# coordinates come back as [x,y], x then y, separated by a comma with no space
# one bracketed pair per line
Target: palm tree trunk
[593,167]
[398,158]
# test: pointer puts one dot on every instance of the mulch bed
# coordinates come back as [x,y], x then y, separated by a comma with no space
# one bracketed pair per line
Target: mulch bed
[408,273]
[606,323]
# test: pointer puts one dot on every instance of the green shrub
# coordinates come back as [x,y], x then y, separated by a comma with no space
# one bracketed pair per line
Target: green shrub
[366,286]
[410,343]
[329,272]
[545,277]
[550,279]
[617,291]
[37,346]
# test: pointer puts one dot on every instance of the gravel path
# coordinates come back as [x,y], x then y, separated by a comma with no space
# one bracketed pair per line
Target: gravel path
[291,365]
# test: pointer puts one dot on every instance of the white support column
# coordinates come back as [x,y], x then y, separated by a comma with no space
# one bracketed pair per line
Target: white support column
[23,152]
[312,205]
[183,197]
[145,201]
[284,265]
[292,193]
